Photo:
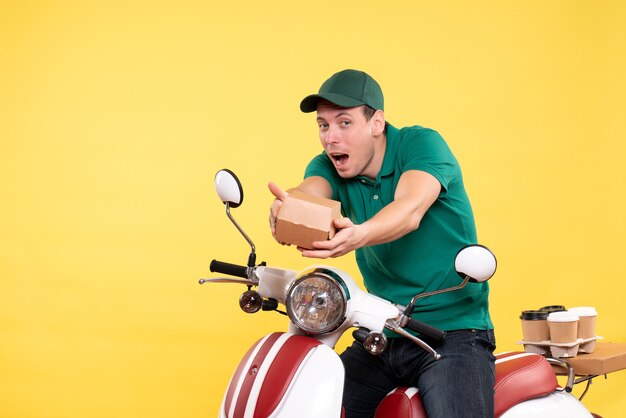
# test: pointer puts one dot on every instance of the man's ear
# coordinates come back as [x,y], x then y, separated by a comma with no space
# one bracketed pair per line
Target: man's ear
[378,123]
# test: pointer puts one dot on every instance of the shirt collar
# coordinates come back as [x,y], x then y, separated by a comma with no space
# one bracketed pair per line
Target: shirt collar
[391,148]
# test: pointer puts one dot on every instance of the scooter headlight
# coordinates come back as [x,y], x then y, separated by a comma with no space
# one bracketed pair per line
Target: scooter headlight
[316,303]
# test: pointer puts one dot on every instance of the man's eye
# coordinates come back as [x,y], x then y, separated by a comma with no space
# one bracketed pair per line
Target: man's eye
[323,125]
[345,123]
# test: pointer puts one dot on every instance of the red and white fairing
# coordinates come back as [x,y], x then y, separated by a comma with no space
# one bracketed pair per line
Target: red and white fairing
[285,375]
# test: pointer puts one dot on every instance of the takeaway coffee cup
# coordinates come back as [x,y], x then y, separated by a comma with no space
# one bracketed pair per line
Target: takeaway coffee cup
[563,327]
[553,308]
[586,321]
[586,326]
[535,326]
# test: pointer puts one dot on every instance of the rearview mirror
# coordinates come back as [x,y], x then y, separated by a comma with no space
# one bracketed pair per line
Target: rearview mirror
[228,188]
[476,262]
[230,191]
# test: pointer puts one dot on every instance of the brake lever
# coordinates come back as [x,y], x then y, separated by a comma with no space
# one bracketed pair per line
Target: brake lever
[395,327]
[227,280]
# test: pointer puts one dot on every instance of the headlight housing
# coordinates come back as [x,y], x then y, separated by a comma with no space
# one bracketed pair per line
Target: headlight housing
[317,302]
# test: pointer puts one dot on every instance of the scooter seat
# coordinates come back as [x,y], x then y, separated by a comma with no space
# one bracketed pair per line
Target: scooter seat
[401,402]
[519,377]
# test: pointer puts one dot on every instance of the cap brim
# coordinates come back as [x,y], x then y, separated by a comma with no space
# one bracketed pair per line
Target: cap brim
[309,103]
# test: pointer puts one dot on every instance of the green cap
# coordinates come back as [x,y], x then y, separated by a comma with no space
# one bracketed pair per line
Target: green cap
[347,88]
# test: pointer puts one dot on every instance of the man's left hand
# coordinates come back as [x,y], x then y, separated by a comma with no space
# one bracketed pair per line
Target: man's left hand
[346,239]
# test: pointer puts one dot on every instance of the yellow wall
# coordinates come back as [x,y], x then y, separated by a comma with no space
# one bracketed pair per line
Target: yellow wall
[115,115]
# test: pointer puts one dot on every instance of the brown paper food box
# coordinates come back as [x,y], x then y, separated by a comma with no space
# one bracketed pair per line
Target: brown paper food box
[303,219]
[608,357]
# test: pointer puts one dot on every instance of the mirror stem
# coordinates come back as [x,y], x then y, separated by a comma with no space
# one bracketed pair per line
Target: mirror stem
[409,309]
[252,257]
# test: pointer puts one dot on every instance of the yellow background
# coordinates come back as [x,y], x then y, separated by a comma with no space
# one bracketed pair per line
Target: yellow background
[115,115]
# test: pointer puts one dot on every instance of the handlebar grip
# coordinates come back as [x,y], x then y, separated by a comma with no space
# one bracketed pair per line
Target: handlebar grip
[230,269]
[426,330]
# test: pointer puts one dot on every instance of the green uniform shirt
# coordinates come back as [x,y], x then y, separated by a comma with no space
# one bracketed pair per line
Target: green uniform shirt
[422,260]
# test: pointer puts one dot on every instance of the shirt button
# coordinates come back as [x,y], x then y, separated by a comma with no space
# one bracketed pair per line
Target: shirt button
[375,197]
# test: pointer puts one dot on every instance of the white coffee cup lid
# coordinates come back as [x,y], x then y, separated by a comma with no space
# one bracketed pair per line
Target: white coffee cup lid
[563,316]
[584,311]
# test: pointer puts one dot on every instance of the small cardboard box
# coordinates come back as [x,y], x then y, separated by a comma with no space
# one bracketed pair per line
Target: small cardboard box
[303,219]
[606,358]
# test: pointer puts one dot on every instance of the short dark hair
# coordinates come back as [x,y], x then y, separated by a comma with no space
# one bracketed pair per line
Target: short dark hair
[368,112]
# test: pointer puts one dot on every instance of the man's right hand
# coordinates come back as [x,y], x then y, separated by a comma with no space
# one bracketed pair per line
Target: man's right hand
[275,208]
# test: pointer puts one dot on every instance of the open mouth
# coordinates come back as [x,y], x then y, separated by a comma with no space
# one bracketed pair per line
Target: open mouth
[339,158]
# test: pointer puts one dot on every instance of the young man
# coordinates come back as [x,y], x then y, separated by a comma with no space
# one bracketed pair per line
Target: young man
[406,216]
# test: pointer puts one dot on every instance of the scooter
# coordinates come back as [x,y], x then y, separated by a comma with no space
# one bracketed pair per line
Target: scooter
[298,374]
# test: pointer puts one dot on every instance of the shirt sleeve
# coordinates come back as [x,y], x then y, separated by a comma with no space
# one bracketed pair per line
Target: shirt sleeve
[426,150]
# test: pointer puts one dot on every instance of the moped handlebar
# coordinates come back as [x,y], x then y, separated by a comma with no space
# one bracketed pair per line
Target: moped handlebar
[228,268]
[426,330]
